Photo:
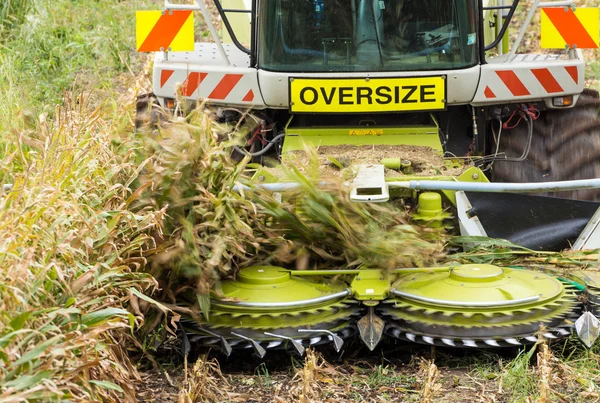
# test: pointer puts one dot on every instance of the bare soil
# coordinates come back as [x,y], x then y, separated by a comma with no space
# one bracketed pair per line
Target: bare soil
[424,161]
[392,373]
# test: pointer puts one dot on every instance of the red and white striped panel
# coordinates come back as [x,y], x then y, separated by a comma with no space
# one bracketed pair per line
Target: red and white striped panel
[237,87]
[528,81]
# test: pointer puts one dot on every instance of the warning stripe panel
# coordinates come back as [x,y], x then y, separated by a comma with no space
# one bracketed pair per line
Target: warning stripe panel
[545,77]
[234,88]
[164,76]
[570,28]
[573,72]
[513,83]
[249,97]
[190,85]
[165,30]
[528,82]
[227,83]
[489,93]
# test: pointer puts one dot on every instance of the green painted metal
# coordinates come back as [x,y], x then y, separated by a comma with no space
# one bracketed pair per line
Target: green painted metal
[481,283]
[274,289]
[259,174]
[271,284]
[336,313]
[481,296]
[472,174]
[370,285]
[430,210]
[475,300]
[298,137]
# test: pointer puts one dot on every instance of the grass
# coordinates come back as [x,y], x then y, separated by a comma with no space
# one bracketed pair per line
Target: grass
[64,46]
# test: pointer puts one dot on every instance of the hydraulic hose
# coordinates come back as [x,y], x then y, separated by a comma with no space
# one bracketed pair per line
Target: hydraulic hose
[531,187]
[264,150]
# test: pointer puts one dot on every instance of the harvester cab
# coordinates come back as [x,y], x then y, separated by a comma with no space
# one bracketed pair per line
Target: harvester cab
[404,79]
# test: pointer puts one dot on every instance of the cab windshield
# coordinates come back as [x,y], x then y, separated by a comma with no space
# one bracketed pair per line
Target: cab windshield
[367,35]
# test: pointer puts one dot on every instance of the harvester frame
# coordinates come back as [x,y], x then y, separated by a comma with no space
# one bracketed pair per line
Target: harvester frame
[505,306]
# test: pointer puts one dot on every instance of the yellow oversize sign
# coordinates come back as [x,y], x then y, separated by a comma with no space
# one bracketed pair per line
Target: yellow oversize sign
[350,95]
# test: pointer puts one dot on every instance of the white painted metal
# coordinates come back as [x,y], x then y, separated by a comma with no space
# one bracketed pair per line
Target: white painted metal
[207,19]
[522,31]
[207,54]
[522,66]
[498,187]
[499,20]
[590,236]
[464,86]
[587,328]
[207,60]
[525,27]
[370,180]
[469,226]
[461,84]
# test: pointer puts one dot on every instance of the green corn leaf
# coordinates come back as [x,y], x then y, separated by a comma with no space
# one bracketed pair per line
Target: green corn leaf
[26,381]
[106,385]
[146,298]
[18,322]
[104,315]
[204,304]
[37,352]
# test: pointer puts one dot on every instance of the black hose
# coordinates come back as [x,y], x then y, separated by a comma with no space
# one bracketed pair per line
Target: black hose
[264,150]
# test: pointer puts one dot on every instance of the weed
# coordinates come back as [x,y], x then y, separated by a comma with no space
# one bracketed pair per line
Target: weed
[430,374]
[262,371]
[12,14]
[518,377]
[206,383]
[384,375]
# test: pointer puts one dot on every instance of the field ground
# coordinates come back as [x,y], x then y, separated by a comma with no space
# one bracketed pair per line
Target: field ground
[392,373]
[70,296]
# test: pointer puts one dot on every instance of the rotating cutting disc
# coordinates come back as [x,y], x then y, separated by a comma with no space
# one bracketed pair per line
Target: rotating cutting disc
[268,307]
[479,305]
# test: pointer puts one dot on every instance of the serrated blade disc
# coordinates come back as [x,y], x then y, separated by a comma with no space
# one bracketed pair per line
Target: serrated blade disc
[588,329]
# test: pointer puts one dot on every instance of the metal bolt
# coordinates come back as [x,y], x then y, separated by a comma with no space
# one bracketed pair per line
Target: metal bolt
[170,12]
[261,178]
[357,278]
[163,12]
[475,176]
[291,79]
[162,49]
[169,49]
[367,79]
